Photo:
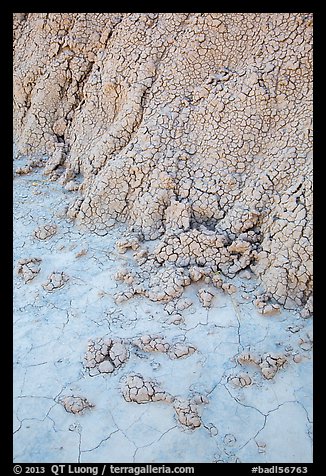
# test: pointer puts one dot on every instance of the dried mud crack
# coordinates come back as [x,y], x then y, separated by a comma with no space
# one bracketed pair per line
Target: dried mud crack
[162,237]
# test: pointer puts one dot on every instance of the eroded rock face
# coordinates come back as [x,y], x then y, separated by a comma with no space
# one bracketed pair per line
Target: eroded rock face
[188,120]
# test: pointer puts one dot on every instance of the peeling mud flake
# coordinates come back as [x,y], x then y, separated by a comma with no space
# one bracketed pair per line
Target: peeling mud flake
[269,364]
[123,296]
[80,253]
[28,268]
[248,358]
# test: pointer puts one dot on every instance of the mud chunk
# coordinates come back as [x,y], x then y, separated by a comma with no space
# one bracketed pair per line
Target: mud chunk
[26,169]
[187,411]
[105,355]
[56,280]
[167,284]
[28,268]
[270,364]
[76,405]
[158,343]
[217,281]
[196,273]
[45,231]
[229,288]
[154,343]
[180,350]
[176,306]
[241,380]
[139,389]
[205,297]
[129,241]
[106,367]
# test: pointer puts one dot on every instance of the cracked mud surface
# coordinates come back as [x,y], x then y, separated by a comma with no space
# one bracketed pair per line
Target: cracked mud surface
[195,129]
[189,383]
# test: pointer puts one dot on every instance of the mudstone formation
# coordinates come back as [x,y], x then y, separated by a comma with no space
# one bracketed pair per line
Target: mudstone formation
[195,129]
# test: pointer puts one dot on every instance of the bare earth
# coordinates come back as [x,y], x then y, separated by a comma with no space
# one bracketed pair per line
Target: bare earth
[102,375]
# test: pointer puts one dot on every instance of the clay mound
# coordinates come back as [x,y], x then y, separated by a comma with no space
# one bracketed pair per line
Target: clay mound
[176,121]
